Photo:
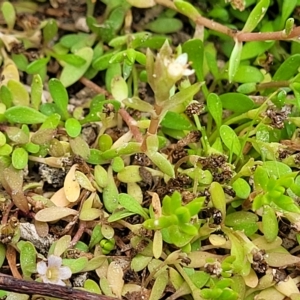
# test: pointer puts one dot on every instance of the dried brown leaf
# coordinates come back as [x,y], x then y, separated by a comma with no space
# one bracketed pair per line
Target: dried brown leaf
[59,198]
[42,228]
[54,213]
[71,185]
[14,180]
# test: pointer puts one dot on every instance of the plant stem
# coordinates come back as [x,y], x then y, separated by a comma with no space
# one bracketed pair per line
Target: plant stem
[11,284]
[131,123]
[239,35]
[272,84]
[152,130]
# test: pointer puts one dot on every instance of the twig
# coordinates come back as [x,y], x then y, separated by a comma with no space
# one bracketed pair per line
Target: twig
[79,233]
[131,123]
[11,259]
[11,284]
[154,123]
[90,84]
[272,84]
[239,35]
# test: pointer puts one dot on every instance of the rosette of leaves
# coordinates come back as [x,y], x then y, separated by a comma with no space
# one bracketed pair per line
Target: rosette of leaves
[276,192]
[178,223]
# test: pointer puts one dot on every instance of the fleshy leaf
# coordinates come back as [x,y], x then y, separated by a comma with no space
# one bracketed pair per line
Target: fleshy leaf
[129,203]
[234,60]
[60,96]
[230,139]
[28,259]
[54,213]
[256,15]
[214,106]
[70,73]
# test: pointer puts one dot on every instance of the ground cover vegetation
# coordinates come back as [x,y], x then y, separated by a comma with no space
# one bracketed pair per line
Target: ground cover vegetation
[150,149]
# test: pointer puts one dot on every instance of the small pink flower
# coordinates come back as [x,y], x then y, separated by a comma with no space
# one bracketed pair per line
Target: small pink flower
[53,273]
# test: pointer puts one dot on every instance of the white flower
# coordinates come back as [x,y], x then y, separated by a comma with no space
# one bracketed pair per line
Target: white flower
[179,67]
[53,273]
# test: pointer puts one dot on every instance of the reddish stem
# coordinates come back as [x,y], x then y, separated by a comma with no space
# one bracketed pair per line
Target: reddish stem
[131,123]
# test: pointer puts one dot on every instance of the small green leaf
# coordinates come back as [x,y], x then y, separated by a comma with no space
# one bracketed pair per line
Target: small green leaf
[129,203]
[100,175]
[9,14]
[76,265]
[71,59]
[159,286]
[6,150]
[248,74]
[20,95]
[69,40]
[165,25]
[234,60]
[187,9]
[269,223]
[195,51]
[2,254]
[92,286]
[60,96]
[119,215]
[141,3]
[230,139]
[96,236]
[119,88]
[256,15]
[288,68]
[214,106]
[17,135]
[50,30]
[2,139]
[199,278]
[117,164]
[286,10]
[102,62]
[241,188]
[73,127]
[24,115]
[28,259]
[36,91]
[276,168]
[137,103]
[80,147]
[184,95]
[90,214]
[70,73]
[162,163]
[261,178]
[37,65]
[62,245]
[289,26]
[242,220]
[218,197]
[110,193]
[6,96]
[19,158]
[255,48]
[176,121]
[237,103]
[20,60]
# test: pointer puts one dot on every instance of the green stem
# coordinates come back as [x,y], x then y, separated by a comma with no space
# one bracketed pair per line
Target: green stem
[204,139]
